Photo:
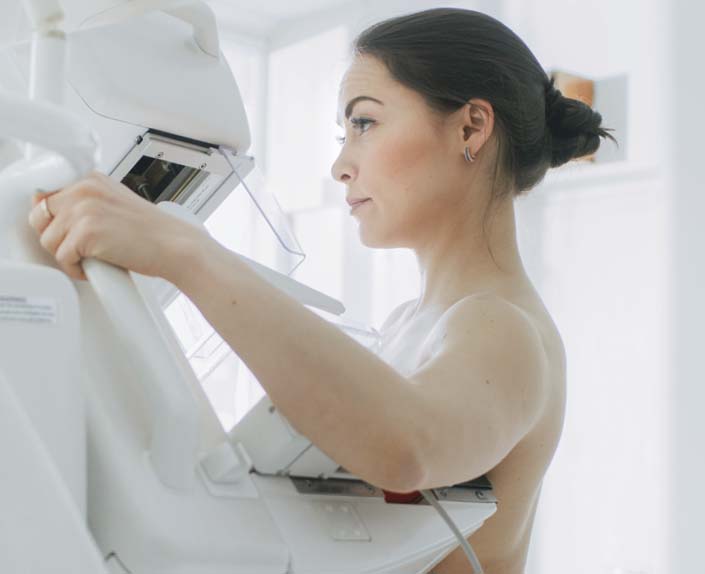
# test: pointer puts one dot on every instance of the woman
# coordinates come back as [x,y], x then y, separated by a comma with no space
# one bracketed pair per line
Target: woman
[447,116]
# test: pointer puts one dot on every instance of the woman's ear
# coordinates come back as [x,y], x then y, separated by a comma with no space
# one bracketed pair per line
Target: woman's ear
[477,125]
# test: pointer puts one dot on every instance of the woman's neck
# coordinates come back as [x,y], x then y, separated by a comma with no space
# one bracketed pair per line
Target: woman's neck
[462,259]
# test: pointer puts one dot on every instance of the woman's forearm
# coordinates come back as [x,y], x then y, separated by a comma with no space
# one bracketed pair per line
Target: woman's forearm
[345,399]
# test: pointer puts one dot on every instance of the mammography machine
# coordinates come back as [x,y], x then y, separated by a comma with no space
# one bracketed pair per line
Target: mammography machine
[113,458]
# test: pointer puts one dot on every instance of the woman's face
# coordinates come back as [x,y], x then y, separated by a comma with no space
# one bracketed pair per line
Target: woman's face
[400,156]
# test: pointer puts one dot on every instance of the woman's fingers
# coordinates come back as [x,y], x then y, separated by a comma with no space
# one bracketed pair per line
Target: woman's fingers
[41,215]
[62,223]
[100,218]
[52,235]
[68,254]
[61,220]
[39,195]
[69,204]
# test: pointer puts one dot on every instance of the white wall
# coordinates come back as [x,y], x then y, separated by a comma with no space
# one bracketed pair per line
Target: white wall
[686,86]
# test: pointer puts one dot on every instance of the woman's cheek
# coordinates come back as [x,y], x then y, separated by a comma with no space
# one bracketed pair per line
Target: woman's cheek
[401,156]
[399,170]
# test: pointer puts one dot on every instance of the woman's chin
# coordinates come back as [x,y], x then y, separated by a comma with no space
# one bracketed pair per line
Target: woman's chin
[375,240]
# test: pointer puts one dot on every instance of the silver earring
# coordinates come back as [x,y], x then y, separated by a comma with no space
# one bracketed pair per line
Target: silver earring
[468,156]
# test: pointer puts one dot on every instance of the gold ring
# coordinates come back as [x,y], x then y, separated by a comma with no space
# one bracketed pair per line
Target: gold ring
[45,208]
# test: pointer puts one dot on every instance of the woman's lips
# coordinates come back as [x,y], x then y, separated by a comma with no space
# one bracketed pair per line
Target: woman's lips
[357,204]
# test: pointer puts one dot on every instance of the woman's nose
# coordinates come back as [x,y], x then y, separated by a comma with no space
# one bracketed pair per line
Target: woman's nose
[341,170]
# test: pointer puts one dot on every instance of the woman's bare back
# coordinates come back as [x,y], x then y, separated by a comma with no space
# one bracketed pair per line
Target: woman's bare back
[503,541]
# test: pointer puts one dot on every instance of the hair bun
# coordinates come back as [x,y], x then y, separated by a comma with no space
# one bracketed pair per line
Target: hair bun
[553,95]
[573,128]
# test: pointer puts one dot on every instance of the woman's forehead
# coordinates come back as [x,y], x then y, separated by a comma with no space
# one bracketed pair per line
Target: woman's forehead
[364,74]
[367,76]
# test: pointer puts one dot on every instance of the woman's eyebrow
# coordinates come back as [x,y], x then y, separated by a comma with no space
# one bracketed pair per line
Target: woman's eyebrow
[355,100]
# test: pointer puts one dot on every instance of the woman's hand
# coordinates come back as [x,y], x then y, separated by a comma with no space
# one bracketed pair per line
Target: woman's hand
[101,218]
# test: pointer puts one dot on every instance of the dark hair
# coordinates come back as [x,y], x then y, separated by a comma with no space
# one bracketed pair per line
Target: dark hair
[451,55]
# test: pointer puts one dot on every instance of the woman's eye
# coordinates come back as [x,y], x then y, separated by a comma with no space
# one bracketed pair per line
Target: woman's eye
[360,124]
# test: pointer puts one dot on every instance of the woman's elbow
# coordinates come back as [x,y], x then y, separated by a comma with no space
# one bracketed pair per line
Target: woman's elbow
[403,473]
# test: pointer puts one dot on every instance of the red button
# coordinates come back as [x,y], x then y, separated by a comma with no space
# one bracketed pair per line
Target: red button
[402,497]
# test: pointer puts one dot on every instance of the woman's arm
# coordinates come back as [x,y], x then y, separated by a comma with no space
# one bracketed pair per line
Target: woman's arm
[454,419]
[345,399]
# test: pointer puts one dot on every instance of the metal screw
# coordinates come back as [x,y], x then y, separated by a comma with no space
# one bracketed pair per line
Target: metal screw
[203,165]
[160,155]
